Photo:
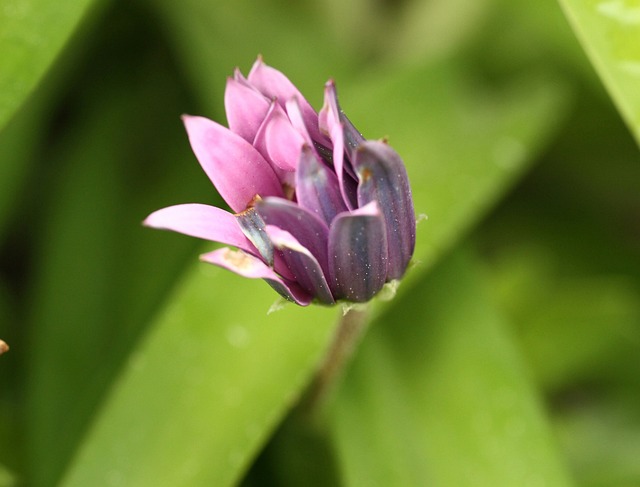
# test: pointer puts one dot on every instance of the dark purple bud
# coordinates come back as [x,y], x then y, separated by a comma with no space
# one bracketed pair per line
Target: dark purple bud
[383,179]
[358,254]
[317,187]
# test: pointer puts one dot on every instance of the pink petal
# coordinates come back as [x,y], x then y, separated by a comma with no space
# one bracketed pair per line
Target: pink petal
[246,108]
[233,165]
[273,84]
[251,267]
[201,221]
[283,142]
[295,115]
[330,122]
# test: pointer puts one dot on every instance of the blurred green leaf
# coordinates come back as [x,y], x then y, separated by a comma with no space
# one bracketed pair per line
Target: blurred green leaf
[205,387]
[609,31]
[32,34]
[72,310]
[103,173]
[17,146]
[438,395]
[573,329]
[602,441]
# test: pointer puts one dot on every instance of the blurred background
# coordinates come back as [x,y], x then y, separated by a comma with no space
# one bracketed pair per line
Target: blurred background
[511,353]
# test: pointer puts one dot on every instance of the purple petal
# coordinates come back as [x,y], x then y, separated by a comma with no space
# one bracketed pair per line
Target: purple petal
[358,254]
[201,221]
[330,122]
[246,107]
[278,141]
[307,228]
[302,264]
[294,113]
[273,84]
[253,227]
[352,137]
[249,266]
[317,187]
[234,166]
[383,179]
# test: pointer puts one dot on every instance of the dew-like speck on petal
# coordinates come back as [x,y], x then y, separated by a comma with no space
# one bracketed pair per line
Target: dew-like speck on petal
[238,336]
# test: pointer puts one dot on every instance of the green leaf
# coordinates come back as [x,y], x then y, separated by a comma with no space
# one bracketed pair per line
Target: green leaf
[438,395]
[32,34]
[205,387]
[609,31]
[95,278]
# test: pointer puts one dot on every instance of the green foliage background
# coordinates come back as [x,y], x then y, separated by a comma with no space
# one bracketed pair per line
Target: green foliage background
[511,353]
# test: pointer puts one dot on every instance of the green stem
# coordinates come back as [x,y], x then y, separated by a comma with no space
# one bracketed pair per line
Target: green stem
[350,330]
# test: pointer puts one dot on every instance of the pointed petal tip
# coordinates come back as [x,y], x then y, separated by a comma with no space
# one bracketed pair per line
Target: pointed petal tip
[155,219]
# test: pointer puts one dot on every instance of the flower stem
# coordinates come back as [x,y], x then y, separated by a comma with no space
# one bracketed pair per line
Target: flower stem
[351,327]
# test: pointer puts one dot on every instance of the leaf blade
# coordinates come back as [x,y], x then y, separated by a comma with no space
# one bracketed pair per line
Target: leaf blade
[608,31]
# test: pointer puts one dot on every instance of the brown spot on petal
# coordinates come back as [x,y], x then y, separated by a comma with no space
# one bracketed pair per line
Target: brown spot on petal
[3,347]
[365,175]
[288,191]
